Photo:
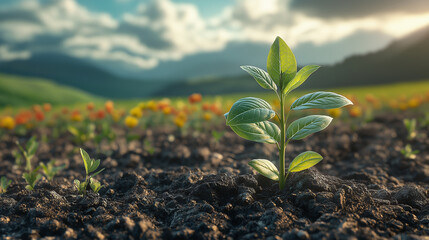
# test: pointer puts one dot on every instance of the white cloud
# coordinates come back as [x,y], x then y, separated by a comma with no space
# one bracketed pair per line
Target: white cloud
[162,30]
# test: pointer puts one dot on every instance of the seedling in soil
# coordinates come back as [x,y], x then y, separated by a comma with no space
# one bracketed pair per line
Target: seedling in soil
[408,152]
[91,166]
[31,177]
[249,117]
[148,146]
[410,125]
[95,185]
[217,135]
[28,152]
[50,170]
[4,184]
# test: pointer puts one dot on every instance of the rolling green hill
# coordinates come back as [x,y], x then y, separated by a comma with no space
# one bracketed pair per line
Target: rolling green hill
[16,91]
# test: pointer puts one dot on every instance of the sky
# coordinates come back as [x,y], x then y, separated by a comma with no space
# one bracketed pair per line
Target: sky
[144,37]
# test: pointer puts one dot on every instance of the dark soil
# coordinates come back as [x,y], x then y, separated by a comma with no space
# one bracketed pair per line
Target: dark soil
[195,188]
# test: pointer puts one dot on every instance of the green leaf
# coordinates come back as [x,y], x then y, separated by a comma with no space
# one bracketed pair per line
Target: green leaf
[281,63]
[300,78]
[94,165]
[262,77]
[32,146]
[74,131]
[320,100]
[249,110]
[86,160]
[265,131]
[304,161]
[266,168]
[96,173]
[305,126]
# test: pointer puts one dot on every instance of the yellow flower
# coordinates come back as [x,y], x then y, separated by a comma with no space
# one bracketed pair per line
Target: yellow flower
[166,110]
[116,116]
[7,122]
[152,105]
[76,117]
[413,102]
[142,105]
[336,112]
[179,122]
[136,112]
[131,121]
[207,116]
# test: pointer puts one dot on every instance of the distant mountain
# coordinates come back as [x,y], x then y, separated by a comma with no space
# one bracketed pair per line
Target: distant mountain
[80,74]
[406,59]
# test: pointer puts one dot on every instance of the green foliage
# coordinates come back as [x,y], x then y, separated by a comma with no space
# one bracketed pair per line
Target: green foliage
[91,166]
[95,185]
[4,184]
[217,135]
[147,145]
[29,151]
[50,170]
[31,177]
[249,117]
[411,126]
[408,152]
[82,134]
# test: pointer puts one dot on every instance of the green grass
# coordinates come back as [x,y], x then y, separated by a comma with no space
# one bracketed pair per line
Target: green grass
[24,91]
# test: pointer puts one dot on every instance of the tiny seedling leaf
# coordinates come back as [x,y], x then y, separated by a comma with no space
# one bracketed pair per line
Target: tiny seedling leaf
[96,173]
[266,168]
[320,100]
[262,77]
[304,161]
[265,131]
[305,126]
[281,63]
[249,110]
[86,161]
[300,78]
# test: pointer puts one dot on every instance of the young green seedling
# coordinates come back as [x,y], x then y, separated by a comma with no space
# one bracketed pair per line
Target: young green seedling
[249,117]
[4,184]
[50,170]
[91,166]
[28,152]
[411,125]
[31,177]
[95,185]
[408,152]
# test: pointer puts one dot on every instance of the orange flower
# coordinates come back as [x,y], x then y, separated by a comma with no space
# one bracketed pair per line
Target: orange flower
[370,98]
[195,98]
[76,116]
[7,122]
[39,116]
[109,106]
[101,114]
[90,106]
[37,108]
[206,106]
[166,110]
[47,107]
[131,121]
[355,111]
[414,102]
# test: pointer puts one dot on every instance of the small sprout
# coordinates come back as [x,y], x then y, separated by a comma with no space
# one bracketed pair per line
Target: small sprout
[81,186]
[31,178]
[217,135]
[147,144]
[250,117]
[95,185]
[408,152]
[29,151]
[411,126]
[50,170]
[91,166]
[4,184]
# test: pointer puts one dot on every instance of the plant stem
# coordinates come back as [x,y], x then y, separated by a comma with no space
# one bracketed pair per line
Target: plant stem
[282,144]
